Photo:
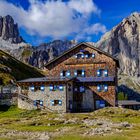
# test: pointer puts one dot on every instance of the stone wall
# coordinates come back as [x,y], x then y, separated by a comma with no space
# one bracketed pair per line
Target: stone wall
[25,105]
[46,96]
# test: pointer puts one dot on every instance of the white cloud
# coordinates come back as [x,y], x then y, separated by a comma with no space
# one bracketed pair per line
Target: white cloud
[90,30]
[84,6]
[54,18]
[95,29]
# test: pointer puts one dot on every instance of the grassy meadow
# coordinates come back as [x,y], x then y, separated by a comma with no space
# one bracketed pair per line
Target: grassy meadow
[60,126]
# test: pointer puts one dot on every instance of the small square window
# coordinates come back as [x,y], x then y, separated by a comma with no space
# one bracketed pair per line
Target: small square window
[56,102]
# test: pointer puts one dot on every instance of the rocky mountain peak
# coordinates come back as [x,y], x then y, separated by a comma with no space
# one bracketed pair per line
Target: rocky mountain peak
[123,41]
[9,30]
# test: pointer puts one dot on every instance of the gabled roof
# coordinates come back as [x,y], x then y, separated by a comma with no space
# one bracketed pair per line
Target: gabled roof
[88,45]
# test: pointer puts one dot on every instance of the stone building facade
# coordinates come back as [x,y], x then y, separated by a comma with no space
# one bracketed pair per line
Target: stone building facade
[82,79]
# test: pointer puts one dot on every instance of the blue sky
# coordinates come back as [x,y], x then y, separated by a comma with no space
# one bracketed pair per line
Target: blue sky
[83,20]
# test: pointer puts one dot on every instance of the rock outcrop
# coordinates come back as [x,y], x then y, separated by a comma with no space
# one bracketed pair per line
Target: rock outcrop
[47,51]
[123,42]
[9,30]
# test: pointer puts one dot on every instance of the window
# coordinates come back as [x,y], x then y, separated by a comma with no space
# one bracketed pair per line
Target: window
[56,102]
[93,55]
[38,102]
[105,88]
[81,73]
[51,87]
[52,102]
[105,73]
[99,73]
[42,88]
[82,89]
[102,88]
[63,73]
[100,104]
[36,88]
[99,88]
[87,55]
[61,87]
[82,55]
[41,103]
[56,87]
[68,73]
[75,73]
[32,88]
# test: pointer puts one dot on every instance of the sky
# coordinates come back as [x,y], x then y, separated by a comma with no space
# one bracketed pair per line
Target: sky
[42,21]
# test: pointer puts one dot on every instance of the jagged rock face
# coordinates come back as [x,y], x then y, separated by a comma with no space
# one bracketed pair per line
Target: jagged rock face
[47,51]
[123,42]
[9,30]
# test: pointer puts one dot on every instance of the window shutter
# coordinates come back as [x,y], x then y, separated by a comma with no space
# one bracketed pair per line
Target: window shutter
[98,73]
[105,73]
[75,73]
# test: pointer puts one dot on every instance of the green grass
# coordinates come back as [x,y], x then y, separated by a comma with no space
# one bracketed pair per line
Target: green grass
[70,137]
[18,69]
[37,121]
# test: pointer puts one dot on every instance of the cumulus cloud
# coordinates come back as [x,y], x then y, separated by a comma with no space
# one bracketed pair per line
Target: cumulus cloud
[54,18]
[90,30]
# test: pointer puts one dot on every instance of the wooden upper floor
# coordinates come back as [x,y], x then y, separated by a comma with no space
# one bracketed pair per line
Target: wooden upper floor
[83,60]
